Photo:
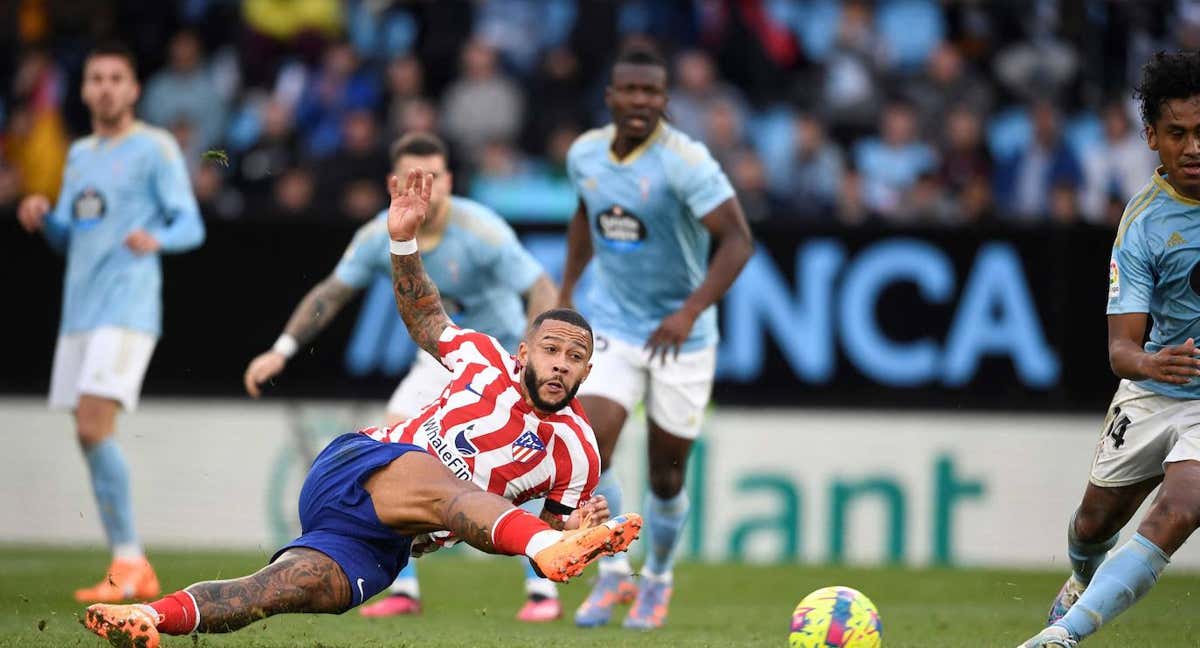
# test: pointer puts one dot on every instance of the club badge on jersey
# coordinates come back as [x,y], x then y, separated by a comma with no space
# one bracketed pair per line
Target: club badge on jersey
[528,447]
[621,228]
[88,207]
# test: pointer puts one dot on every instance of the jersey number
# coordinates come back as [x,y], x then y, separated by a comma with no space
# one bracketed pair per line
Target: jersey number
[1116,430]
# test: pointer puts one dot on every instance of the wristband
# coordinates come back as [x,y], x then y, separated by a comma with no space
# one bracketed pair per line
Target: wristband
[286,345]
[402,248]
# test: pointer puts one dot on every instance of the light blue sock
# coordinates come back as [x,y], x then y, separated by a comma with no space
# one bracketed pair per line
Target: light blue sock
[1119,583]
[610,488]
[664,521]
[110,485]
[1085,557]
[406,581]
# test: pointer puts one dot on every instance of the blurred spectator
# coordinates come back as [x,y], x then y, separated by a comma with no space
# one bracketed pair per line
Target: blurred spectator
[815,173]
[697,90]
[293,195]
[1117,167]
[1025,180]
[419,115]
[1042,64]
[36,140]
[338,87]
[185,92]
[852,209]
[482,105]
[521,29]
[405,84]
[352,180]
[946,83]
[216,198]
[749,178]
[850,96]
[268,158]
[278,28]
[1064,204]
[891,164]
[966,164]
[723,131]
[909,30]
[521,189]
[926,203]
[559,89]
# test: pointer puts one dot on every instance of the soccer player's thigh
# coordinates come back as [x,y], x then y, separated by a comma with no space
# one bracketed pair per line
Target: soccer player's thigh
[678,394]
[110,370]
[1138,433]
[615,385]
[1175,513]
[424,382]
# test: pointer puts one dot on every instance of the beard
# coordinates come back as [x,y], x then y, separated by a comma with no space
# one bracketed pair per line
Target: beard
[532,382]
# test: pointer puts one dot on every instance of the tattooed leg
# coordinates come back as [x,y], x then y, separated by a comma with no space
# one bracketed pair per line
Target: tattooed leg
[301,580]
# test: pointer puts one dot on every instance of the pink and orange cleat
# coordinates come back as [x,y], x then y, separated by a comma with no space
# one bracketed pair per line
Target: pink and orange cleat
[393,605]
[124,626]
[126,580]
[541,610]
[568,557]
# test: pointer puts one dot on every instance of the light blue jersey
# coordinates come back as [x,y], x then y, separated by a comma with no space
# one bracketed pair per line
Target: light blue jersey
[1155,269]
[650,248]
[479,267]
[112,187]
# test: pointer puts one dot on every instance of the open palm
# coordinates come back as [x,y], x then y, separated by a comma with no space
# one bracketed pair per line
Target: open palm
[410,205]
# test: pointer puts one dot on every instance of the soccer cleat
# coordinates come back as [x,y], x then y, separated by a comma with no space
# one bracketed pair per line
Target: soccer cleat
[541,610]
[124,626]
[1070,592]
[393,605]
[649,611]
[126,579]
[568,557]
[1052,637]
[611,589]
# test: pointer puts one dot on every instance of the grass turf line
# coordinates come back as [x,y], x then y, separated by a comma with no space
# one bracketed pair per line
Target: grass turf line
[472,603]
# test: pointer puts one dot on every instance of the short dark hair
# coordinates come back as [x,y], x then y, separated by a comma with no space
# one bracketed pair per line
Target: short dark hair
[1166,76]
[419,144]
[113,48]
[568,315]
[640,55]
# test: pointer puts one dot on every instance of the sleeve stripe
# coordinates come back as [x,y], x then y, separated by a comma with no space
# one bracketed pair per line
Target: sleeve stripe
[1135,210]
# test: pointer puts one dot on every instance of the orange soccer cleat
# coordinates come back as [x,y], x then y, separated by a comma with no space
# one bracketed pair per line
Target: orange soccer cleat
[124,626]
[126,579]
[568,557]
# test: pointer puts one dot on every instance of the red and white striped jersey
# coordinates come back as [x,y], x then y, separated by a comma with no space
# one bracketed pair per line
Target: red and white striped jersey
[482,430]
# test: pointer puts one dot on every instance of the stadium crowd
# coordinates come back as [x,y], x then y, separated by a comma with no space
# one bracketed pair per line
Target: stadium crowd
[821,111]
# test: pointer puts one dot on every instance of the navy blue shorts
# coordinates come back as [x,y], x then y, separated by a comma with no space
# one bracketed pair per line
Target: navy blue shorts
[338,518]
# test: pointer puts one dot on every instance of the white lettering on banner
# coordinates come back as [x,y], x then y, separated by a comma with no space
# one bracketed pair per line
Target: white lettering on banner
[920,487]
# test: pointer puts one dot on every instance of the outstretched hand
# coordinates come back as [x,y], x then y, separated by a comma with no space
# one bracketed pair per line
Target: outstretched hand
[410,204]
[591,513]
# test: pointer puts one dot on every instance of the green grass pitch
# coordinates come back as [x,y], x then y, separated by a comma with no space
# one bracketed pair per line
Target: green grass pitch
[472,603]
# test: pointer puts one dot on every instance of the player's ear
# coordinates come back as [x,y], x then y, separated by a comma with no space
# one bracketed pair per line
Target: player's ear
[522,352]
[1151,138]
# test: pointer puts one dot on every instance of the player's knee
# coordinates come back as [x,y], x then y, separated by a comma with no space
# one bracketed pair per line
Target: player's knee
[1094,525]
[666,481]
[91,429]
[1179,515]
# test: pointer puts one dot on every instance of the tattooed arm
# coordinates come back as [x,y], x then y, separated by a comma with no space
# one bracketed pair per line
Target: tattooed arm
[311,316]
[419,303]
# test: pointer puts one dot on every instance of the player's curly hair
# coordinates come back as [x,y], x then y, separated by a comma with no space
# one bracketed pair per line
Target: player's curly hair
[1166,76]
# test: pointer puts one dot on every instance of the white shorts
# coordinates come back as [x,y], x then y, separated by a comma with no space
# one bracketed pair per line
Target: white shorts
[425,380]
[676,392]
[1143,431]
[109,362]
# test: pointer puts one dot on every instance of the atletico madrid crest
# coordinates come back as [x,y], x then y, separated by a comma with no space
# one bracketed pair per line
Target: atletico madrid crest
[527,447]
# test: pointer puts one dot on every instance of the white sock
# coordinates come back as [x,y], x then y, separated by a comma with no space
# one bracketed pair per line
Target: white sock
[540,587]
[131,551]
[541,540]
[617,564]
[406,586]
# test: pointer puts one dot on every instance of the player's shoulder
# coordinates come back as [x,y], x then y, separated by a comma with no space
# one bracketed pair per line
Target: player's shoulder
[591,142]
[158,140]
[479,221]
[679,148]
[1154,207]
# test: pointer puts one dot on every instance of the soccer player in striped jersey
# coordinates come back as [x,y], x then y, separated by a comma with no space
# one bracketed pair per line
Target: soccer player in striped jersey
[125,200]
[653,203]
[482,272]
[1150,437]
[371,499]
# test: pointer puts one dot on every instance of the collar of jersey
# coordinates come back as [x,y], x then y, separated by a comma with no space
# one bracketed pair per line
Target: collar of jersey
[639,149]
[1161,181]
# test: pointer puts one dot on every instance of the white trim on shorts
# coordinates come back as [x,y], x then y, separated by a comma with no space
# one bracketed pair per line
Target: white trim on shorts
[109,362]
[676,391]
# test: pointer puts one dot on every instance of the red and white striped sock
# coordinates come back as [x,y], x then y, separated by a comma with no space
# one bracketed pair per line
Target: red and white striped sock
[518,533]
[178,613]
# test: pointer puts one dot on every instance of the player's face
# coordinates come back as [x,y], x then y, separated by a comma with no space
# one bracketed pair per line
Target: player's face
[110,89]
[435,164]
[555,359]
[637,98]
[1176,137]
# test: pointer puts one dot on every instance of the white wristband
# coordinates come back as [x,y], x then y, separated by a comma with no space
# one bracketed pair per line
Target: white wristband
[401,248]
[286,345]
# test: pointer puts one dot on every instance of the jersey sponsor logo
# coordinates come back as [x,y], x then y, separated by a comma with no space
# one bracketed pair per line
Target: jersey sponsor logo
[463,444]
[89,206]
[621,228]
[527,447]
[441,449]
[1114,279]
